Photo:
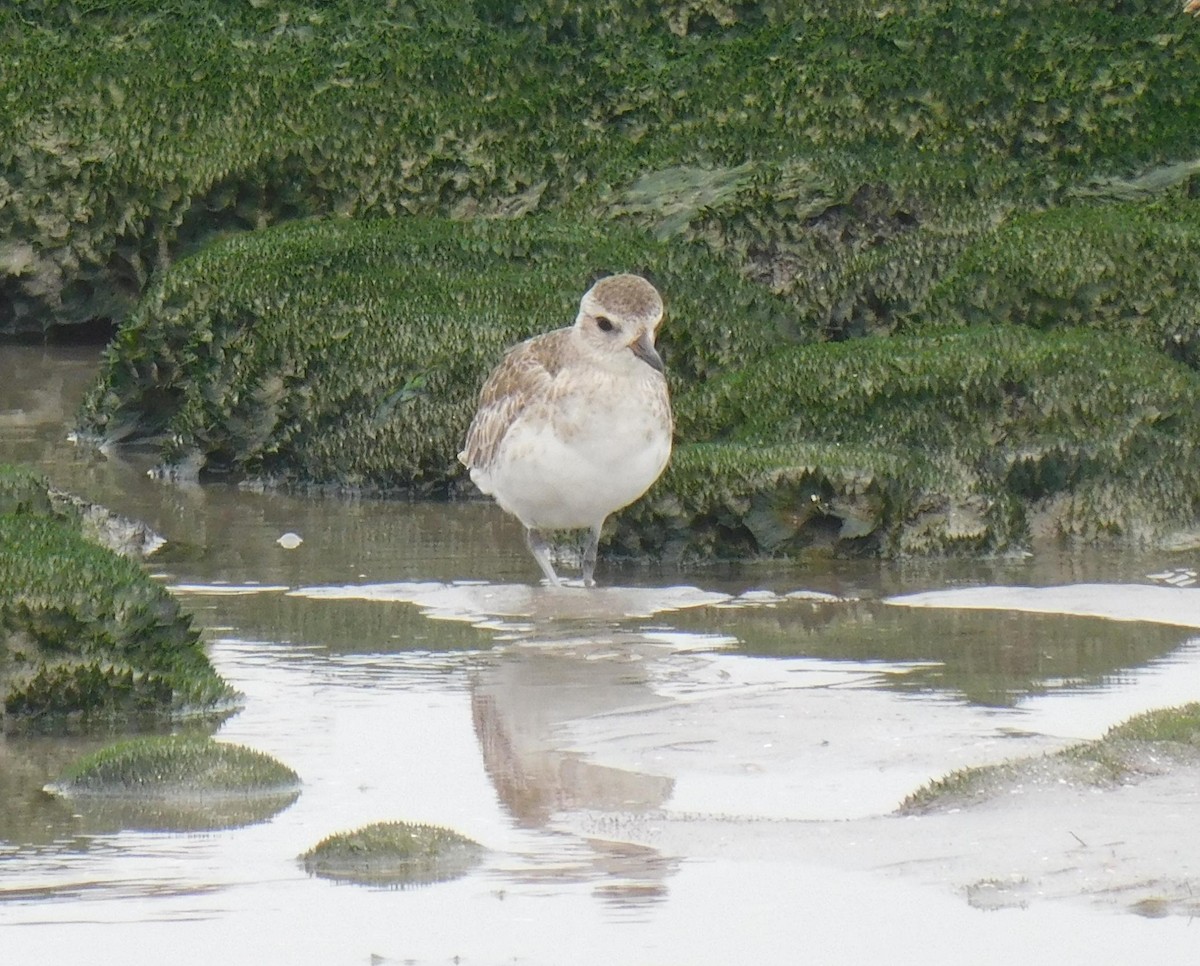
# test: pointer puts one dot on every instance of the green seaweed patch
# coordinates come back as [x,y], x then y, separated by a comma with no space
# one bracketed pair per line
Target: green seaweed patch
[982,439]
[23,490]
[172,766]
[1145,745]
[1176,725]
[1128,269]
[854,244]
[116,162]
[961,787]
[176,783]
[727,500]
[86,637]
[394,853]
[349,353]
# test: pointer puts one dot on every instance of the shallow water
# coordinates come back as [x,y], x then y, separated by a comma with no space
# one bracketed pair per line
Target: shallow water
[692,767]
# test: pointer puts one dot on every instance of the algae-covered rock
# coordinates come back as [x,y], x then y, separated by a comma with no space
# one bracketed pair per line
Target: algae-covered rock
[23,490]
[830,153]
[130,538]
[178,782]
[1171,728]
[87,637]
[979,439]
[173,766]
[1147,744]
[854,249]
[114,161]
[394,853]
[1129,269]
[350,353]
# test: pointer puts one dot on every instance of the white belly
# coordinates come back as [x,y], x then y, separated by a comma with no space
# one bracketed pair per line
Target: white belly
[573,470]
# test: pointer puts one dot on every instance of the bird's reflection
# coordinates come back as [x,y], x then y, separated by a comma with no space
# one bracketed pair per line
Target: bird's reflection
[564,654]
[523,704]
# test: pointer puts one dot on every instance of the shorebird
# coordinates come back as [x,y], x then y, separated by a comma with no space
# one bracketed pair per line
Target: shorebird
[576,423]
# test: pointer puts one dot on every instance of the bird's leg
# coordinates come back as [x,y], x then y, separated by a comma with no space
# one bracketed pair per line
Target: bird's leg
[541,553]
[589,555]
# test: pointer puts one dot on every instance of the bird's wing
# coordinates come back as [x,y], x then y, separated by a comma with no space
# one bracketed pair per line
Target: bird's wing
[525,374]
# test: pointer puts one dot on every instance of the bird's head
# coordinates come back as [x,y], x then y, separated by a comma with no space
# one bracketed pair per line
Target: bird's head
[620,314]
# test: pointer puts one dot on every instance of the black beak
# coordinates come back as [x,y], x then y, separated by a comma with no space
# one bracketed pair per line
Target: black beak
[644,349]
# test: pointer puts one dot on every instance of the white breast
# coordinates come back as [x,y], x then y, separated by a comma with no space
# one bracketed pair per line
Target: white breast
[589,447]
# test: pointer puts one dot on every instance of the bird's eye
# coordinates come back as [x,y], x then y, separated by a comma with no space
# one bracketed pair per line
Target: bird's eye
[603,324]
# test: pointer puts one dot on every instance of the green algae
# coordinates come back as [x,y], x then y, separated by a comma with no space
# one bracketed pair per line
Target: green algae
[175,766]
[185,782]
[86,637]
[349,352]
[1146,744]
[393,853]
[1043,176]
[1127,269]
[979,440]
[116,162]
[1178,726]
[23,490]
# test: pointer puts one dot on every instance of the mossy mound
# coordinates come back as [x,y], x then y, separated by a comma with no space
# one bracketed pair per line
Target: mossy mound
[1176,726]
[830,153]
[394,853]
[351,352]
[1147,744]
[23,490]
[1127,268]
[976,440]
[176,783]
[86,637]
[115,161]
[854,245]
[175,766]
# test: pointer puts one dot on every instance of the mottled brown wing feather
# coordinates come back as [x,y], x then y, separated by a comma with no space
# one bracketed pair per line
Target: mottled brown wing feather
[526,372]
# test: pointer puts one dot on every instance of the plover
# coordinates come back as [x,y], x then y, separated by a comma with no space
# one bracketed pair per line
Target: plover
[576,423]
